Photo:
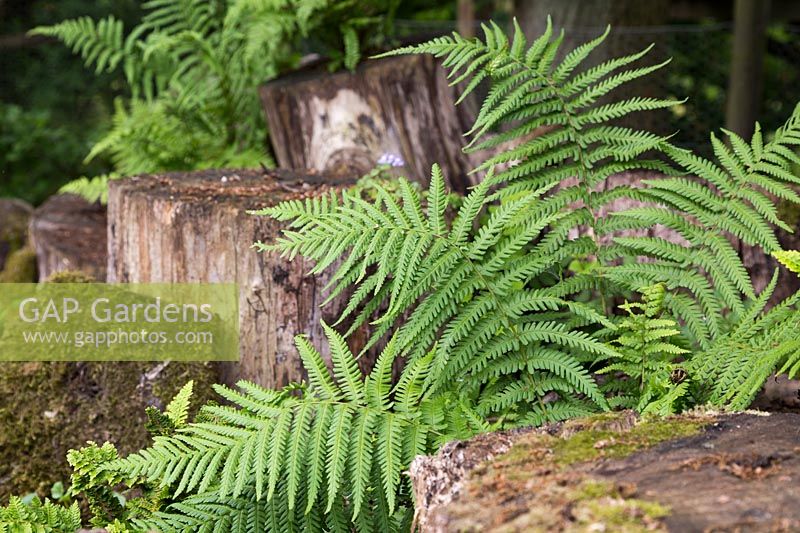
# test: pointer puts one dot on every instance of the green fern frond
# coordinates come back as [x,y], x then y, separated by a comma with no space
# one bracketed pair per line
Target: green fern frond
[297,455]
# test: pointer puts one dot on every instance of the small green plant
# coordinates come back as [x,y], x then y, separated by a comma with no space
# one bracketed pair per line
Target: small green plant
[645,375]
[35,515]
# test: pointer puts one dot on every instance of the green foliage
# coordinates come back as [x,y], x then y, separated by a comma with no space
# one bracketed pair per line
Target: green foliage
[764,342]
[193,69]
[443,277]
[192,75]
[645,376]
[328,452]
[35,516]
[26,170]
[705,277]
[789,258]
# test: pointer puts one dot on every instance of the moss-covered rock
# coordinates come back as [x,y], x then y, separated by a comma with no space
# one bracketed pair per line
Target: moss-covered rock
[20,267]
[539,479]
[46,409]
[15,216]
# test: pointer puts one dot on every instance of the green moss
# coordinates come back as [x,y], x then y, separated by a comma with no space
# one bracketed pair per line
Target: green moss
[597,441]
[70,276]
[20,267]
[596,503]
[46,409]
[15,215]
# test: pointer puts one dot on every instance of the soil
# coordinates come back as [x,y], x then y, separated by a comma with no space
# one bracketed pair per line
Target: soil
[696,472]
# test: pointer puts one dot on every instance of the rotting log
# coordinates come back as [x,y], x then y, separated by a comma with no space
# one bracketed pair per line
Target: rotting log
[612,472]
[69,234]
[195,228]
[14,219]
[341,124]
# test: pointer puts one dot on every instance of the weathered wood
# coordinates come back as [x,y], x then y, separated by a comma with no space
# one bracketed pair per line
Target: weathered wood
[614,473]
[15,216]
[69,233]
[195,228]
[341,124]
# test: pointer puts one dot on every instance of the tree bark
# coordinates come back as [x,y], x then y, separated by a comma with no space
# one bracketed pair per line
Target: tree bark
[195,228]
[341,124]
[69,234]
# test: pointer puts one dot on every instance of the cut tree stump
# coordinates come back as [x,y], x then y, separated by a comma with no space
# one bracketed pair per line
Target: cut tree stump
[14,219]
[69,234]
[341,124]
[195,228]
[612,472]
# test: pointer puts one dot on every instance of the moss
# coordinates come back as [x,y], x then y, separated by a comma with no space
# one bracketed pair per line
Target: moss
[599,442]
[544,482]
[599,505]
[20,267]
[70,276]
[46,409]
[15,215]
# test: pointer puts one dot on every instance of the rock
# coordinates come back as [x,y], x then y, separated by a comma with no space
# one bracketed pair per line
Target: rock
[696,472]
[20,267]
[14,218]
[46,409]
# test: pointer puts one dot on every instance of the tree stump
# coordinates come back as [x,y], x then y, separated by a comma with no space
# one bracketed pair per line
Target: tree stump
[195,228]
[341,124]
[69,234]
[14,218]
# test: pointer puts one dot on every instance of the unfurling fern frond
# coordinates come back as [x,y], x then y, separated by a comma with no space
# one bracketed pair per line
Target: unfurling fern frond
[464,293]
[336,448]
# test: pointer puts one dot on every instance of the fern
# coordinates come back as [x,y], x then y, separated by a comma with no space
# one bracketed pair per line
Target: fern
[646,376]
[564,132]
[332,450]
[471,287]
[36,516]
[788,258]
[193,68]
[764,342]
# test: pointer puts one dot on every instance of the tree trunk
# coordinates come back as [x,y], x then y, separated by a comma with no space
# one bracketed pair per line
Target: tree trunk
[751,18]
[195,228]
[69,234]
[341,124]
